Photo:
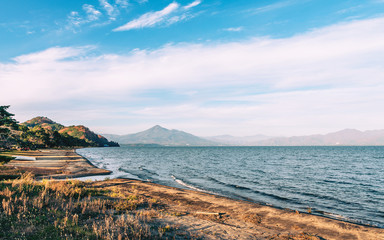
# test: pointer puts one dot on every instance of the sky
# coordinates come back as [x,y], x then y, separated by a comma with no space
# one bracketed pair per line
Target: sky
[207,67]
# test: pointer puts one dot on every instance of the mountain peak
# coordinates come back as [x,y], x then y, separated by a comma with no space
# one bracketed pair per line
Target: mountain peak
[43,122]
[40,120]
[157,128]
[162,136]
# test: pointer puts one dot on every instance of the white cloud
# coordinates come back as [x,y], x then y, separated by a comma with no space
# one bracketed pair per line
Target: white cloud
[171,14]
[176,19]
[149,19]
[51,55]
[274,6]
[192,4]
[234,29]
[76,20]
[323,80]
[111,10]
[92,13]
[122,3]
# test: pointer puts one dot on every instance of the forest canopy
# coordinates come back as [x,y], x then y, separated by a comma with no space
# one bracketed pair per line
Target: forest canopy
[42,132]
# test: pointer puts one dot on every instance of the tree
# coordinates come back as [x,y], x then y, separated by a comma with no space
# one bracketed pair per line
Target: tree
[7,123]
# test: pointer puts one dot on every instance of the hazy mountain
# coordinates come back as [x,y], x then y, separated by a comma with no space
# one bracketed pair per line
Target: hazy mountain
[238,141]
[162,136]
[344,137]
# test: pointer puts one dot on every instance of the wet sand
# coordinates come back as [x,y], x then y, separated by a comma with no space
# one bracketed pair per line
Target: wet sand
[207,216]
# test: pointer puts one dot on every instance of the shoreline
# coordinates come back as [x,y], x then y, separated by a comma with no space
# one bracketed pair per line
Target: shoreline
[222,215]
[226,217]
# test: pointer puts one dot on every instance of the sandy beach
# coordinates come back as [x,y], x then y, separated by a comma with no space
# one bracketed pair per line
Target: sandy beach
[206,216]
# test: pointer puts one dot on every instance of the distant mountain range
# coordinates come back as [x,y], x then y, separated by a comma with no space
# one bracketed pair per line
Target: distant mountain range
[238,141]
[163,136]
[346,137]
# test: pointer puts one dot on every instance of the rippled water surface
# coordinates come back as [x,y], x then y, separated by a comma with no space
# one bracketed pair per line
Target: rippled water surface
[340,182]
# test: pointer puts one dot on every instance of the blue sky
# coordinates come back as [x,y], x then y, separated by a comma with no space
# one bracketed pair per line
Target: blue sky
[209,67]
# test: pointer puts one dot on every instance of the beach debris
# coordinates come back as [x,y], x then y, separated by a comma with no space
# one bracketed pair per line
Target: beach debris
[210,213]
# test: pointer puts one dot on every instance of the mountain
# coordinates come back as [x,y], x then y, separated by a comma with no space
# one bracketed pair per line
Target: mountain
[43,122]
[238,141]
[346,137]
[84,133]
[162,136]
[44,131]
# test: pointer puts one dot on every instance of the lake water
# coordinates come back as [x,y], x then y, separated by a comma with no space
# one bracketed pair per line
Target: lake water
[340,182]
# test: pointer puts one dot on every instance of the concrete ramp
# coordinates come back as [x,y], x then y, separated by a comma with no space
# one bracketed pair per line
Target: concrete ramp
[24,158]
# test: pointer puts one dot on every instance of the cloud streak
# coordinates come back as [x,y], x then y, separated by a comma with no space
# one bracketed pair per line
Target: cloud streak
[234,29]
[192,4]
[171,14]
[149,19]
[272,7]
[319,81]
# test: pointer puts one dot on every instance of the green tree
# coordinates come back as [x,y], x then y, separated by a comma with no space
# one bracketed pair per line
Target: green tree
[7,123]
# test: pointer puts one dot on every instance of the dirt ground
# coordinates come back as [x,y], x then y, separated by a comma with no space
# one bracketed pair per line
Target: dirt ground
[216,217]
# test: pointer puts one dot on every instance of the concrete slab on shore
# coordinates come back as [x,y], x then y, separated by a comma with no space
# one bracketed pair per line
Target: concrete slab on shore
[55,163]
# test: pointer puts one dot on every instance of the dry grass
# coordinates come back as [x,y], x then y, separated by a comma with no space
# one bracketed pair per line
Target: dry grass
[74,210]
[251,218]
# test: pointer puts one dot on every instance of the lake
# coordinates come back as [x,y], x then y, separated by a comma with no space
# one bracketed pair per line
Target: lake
[346,183]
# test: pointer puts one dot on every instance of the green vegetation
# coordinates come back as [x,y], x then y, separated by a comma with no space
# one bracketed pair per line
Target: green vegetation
[41,132]
[75,210]
[5,159]
[43,122]
[8,172]
[83,133]
[7,126]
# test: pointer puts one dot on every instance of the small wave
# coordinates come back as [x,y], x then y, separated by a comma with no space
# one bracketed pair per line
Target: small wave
[123,170]
[336,216]
[137,175]
[337,182]
[189,185]
[229,185]
[276,197]
[273,196]
[148,171]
